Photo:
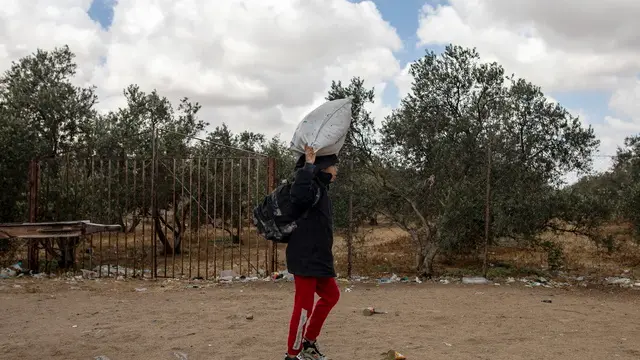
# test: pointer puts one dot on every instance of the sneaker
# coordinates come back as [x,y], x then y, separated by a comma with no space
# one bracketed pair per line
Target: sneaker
[299,357]
[310,351]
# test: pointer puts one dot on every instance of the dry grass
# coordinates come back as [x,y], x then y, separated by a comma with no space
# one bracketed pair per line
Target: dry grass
[205,253]
[388,249]
[377,250]
[583,255]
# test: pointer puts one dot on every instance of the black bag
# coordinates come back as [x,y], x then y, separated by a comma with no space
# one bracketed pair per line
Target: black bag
[275,218]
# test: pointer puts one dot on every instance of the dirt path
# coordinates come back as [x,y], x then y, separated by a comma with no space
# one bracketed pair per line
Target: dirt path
[55,320]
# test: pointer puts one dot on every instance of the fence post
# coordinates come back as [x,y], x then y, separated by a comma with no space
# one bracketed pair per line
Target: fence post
[271,185]
[154,203]
[350,219]
[33,213]
[487,212]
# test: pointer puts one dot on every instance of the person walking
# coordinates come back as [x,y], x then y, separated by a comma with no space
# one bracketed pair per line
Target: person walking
[310,256]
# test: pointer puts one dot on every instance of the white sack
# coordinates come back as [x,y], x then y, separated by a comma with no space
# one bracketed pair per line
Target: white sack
[324,129]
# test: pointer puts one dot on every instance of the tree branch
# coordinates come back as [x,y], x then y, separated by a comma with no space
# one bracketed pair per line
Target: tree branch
[393,188]
[575,230]
[166,223]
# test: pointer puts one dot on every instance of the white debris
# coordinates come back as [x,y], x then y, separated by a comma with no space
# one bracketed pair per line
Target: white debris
[88,274]
[475,280]
[180,355]
[618,281]
[118,271]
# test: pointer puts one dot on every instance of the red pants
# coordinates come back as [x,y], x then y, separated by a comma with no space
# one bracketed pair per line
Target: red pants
[306,288]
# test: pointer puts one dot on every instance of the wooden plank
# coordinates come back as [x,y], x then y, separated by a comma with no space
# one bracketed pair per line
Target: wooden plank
[62,229]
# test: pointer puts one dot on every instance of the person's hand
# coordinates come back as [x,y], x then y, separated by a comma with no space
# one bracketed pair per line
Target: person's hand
[309,154]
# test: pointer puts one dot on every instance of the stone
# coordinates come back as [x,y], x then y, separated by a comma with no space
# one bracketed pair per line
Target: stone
[394,355]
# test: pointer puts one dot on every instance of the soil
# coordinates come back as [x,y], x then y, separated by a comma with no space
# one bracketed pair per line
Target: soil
[46,319]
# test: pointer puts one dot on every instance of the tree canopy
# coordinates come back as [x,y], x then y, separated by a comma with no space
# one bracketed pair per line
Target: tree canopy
[461,118]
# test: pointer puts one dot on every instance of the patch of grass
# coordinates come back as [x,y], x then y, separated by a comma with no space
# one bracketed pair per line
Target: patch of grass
[512,271]
[375,256]
[497,271]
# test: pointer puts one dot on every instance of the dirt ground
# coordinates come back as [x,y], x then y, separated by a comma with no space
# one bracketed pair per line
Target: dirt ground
[46,319]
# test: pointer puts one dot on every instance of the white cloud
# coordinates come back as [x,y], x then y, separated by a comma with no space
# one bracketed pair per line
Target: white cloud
[256,65]
[403,81]
[626,100]
[28,25]
[561,47]
[571,45]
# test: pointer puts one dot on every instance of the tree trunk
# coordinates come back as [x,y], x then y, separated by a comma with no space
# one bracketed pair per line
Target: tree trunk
[419,262]
[427,249]
[234,238]
[237,239]
[177,231]
[166,247]
[134,224]
[181,226]
[428,259]
[218,224]
[122,221]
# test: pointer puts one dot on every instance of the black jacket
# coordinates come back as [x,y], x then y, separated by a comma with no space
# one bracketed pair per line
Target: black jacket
[309,251]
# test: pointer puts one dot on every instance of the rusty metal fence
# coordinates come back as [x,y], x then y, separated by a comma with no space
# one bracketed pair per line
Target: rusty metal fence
[181,217]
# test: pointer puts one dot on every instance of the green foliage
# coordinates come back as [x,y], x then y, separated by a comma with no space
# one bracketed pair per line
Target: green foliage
[460,113]
[359,142]
[355,184]
[626,171]
[42,114]
[615,195]
[284,158]
[612,196]
[555,255]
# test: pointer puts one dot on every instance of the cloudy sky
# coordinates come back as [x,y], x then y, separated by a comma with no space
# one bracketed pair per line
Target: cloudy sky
[261,64]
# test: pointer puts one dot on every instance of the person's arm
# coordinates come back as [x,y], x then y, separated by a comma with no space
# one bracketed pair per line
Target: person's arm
[304,189]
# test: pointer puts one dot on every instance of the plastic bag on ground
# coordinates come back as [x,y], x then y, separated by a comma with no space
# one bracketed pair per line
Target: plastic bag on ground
[476,280]
[324,129]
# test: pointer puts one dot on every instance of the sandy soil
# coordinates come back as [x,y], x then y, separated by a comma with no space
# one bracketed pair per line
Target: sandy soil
[44,319]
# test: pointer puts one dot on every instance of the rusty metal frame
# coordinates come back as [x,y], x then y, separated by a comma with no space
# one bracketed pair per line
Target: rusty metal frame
[54,229]
[232,187]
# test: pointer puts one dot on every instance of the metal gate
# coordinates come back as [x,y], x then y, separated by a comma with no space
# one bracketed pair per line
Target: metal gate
[181,217]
